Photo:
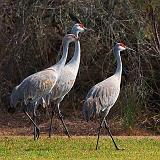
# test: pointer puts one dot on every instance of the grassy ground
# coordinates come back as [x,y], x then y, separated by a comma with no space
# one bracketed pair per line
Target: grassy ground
[77,148]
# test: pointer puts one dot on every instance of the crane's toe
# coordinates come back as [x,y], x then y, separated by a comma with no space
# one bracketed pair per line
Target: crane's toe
[120,149]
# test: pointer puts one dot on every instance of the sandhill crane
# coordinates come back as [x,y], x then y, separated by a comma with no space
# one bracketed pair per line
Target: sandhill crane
[103,95]
[68,74]
[33,88]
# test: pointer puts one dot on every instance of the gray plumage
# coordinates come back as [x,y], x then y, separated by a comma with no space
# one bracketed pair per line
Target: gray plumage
[33,89]
[69,72]
[103,95]
[67,77]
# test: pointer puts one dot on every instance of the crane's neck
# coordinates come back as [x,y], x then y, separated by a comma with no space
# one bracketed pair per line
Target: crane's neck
[63,59]
[75,31]
[75,60]
[118,72]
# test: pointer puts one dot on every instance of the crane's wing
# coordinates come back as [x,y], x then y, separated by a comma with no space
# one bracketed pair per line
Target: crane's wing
[38,84]
[92,101]
[64,84]
[100,97]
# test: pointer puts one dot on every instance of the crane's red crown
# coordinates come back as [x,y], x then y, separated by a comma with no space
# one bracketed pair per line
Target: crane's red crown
[122,45]
[81,25]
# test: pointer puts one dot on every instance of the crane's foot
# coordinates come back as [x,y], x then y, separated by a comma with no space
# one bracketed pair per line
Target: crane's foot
[37,133]
[49,136]
[67,133]
[50,132]
[120,149]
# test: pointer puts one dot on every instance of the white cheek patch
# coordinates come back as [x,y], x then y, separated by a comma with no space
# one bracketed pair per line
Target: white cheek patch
[121,48]
[81,29]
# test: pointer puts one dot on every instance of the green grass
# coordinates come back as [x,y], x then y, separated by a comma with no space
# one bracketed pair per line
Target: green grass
[77,148]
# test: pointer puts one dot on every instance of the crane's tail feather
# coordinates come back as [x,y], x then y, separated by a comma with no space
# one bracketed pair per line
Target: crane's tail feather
[92,106]
[85,111]
[89,108]
[11,108]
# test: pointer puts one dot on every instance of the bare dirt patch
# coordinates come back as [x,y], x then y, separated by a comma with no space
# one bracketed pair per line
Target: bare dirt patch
[19,125]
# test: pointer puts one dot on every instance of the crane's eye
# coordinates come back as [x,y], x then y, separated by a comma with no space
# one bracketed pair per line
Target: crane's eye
[122,45]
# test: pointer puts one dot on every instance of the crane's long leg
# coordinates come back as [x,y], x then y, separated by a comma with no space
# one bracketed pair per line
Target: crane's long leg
[50,127]
[110,134]
[99,130]
[61,118]
[37,128]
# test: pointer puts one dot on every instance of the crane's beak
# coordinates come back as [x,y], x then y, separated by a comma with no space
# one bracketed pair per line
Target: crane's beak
[88,29]
[130,49]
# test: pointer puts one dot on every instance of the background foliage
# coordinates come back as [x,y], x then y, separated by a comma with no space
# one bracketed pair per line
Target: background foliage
[30,38]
